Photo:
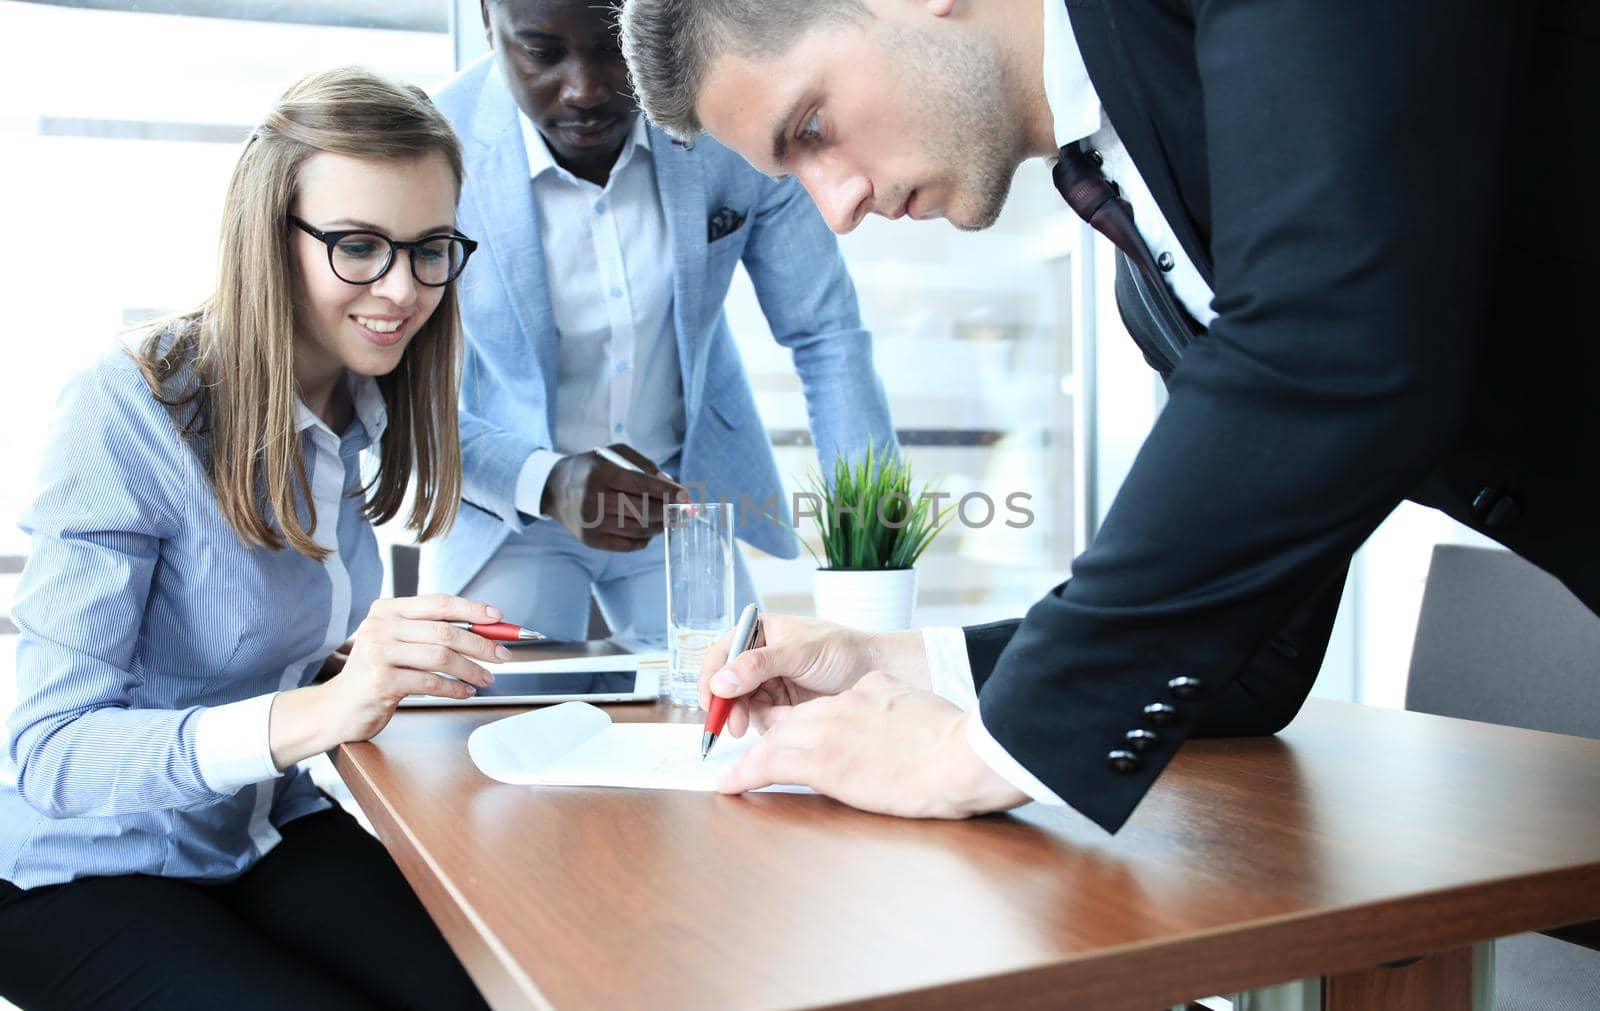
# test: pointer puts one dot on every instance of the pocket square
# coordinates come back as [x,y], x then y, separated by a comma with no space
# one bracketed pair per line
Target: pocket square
[723,224]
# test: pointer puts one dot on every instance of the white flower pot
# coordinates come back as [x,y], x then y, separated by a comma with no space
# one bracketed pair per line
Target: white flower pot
[877,600]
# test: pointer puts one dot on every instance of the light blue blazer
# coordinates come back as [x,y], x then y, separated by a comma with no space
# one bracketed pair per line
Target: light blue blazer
[509,384]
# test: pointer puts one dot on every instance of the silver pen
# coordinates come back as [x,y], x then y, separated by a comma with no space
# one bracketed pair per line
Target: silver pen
[744,636]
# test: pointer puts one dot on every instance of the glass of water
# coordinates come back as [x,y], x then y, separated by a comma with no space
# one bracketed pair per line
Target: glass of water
[699,539]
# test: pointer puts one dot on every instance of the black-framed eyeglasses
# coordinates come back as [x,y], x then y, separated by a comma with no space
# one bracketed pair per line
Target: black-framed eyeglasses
[362,257]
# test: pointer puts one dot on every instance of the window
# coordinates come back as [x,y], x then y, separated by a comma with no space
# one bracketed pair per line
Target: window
[121,124]
[974,338]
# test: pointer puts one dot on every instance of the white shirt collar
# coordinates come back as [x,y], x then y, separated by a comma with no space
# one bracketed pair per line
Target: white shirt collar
[370,409]
[540,160]
[1074,104]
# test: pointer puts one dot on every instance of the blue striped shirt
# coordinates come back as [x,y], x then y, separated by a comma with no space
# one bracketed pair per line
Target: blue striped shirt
[153,640]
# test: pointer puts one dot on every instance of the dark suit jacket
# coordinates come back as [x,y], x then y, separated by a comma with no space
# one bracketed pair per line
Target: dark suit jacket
[1395,205]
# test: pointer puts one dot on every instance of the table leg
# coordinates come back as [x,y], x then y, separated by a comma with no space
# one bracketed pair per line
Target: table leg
[1461,979]
[1301,995]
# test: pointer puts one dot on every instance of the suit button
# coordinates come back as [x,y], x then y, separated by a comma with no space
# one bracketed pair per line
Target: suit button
[1097,157]
[1503,513]
[1141,740]
[1161,714]
[1184,687]
[1123,761]
[1165,262]
[1493,508]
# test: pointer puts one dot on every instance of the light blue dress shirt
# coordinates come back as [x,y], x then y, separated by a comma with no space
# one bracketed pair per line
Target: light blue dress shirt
[153,641]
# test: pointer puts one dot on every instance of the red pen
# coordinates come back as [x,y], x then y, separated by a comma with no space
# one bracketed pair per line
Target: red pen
[501,631]
[744,636]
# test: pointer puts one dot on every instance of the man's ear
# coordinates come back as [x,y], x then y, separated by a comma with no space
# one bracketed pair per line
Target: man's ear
[940,8]
[488,27]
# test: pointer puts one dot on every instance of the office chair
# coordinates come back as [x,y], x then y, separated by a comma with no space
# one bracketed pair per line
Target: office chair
[405,561]
[1501,641]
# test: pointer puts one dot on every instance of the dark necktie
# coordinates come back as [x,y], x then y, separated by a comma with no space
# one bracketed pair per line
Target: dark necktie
[1096,200]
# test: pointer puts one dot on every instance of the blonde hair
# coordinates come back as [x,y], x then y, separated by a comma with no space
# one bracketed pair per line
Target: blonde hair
[234,354]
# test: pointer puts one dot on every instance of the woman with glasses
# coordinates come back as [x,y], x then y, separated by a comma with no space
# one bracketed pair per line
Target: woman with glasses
[201,548]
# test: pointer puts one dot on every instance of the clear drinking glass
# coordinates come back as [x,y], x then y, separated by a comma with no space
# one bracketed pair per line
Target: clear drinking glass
[699,538]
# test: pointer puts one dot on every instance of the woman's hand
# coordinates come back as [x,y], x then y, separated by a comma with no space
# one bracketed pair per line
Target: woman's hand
[336,660]
[403,648]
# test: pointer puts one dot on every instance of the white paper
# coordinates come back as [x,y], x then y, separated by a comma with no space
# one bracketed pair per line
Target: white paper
[576,744]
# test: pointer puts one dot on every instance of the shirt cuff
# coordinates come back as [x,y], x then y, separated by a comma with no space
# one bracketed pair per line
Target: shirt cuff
[950,675]
[1006,767]
[535,474]
[949,670]
[233,744]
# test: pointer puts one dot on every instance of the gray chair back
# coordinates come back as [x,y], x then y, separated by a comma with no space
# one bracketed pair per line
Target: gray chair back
[1501,641]
[405,560]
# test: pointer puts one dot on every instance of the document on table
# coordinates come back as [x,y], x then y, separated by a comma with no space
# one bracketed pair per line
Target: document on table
[576,744]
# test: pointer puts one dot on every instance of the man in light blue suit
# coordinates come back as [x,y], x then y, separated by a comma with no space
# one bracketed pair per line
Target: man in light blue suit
[595,318]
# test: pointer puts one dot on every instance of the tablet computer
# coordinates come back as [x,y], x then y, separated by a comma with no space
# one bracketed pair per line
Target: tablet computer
[620,678]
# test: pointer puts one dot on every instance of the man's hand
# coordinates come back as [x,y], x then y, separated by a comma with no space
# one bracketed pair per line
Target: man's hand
[797,659]
[882,746]
[605,506]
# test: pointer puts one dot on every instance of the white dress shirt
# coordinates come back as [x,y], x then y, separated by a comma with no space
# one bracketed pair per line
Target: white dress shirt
[1078,115]
[950,671]
[1075,108]
[609,261]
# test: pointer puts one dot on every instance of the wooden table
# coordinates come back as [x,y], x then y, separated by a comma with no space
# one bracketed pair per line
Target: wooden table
[1358,836]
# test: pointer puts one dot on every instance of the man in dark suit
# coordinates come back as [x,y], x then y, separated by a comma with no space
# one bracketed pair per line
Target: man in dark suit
[1356,239]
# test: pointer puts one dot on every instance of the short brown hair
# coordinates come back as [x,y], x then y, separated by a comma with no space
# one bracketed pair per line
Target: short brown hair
[226,369]
[669,44]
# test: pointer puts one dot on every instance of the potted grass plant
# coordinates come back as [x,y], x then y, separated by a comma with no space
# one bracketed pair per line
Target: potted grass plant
[873,528]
